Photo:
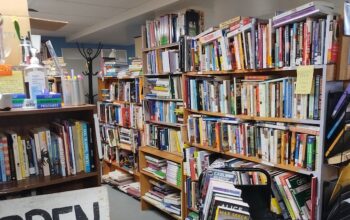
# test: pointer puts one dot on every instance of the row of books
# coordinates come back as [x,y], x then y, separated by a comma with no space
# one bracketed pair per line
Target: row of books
[61,148]
[114,136]
[165,87]
[164,138]
[159,62]
[164,197]
[251,43]
[164,169]
[125,115]
[168,28]
[262,98]
[277,143]
[125,90]
[160,111]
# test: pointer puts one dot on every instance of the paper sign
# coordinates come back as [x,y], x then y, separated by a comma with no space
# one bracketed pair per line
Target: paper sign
[91,203]
[5,70]
[12,84]
[304,82]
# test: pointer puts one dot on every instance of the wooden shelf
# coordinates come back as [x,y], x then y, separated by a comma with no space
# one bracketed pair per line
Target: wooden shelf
[280,166]
[116,165]
[145,199]
[35,182]
[256,118]
[203,147]
[163,154]
[160,47]
[163,74]
[23,112]
[163,99]
[266,71]
[168,124]
[124,146]
[159,179]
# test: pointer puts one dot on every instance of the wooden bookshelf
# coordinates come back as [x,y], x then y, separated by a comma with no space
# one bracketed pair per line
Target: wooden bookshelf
[163,154]
[160,179]
[162,74]
[20,120]
[167,124]
[104,83]
[146,200]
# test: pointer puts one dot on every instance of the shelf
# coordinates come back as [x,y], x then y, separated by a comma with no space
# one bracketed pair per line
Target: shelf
[116,165]
[256,118]
[35,182]
[163,99]
[23,112]
[163,154]
[121,78]
[124,146]
[161,47]
[163,74]
[159,179]
[123,102]
[267,71]
[168,124]
[280,166]
[203,147]
[145,199]
[118,125]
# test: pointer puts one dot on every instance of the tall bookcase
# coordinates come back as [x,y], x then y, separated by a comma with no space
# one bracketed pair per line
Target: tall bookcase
[20,121]
[112,118]
[154,122]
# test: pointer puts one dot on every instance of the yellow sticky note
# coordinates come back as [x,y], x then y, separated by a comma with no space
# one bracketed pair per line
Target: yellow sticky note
[304,82]
[13,83]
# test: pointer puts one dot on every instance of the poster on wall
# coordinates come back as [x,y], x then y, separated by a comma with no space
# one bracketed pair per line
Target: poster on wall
[85,204]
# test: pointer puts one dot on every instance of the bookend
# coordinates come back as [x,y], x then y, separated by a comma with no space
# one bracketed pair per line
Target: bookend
[257,196]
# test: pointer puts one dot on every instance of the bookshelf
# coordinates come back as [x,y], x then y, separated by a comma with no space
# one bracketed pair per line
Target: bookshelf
[119,98]
[21,121]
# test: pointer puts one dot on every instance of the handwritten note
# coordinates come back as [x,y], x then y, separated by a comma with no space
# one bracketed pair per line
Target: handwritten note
[13,83]
[305,76]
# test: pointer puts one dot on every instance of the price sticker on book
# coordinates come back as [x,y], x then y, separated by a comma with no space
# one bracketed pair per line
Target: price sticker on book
[305,76]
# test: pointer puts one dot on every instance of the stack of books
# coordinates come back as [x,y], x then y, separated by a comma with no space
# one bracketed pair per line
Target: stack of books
[111,68]
[192,216]
[164,197]
[158,87]
[156,166]
[117,178]
[51,100]
[262,98]
[132,189]
[18,99]
[222,200]
[135,68]
[61,148]
[174,173]
[166,139]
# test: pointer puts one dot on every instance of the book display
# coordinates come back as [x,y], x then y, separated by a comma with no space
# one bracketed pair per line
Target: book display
[50,155]
[165,59]
[121,124]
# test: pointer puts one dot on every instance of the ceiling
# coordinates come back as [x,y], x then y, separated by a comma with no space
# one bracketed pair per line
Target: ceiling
[119,21]
[109,21]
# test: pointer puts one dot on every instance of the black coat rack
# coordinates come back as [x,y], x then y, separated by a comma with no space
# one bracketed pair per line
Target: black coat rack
[87,54]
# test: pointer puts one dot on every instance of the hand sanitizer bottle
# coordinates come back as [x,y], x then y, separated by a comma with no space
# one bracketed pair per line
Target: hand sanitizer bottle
[35,78]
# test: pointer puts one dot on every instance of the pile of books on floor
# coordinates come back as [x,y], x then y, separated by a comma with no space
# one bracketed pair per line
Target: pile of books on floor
[156,166]
[117,178]
[60,148]
[165,197]
[132,189]
[222,200]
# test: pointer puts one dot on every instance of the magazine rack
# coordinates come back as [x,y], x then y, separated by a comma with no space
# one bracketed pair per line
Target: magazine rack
[257,196]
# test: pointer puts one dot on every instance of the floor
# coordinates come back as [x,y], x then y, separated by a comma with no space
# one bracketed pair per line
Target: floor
[124,207]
